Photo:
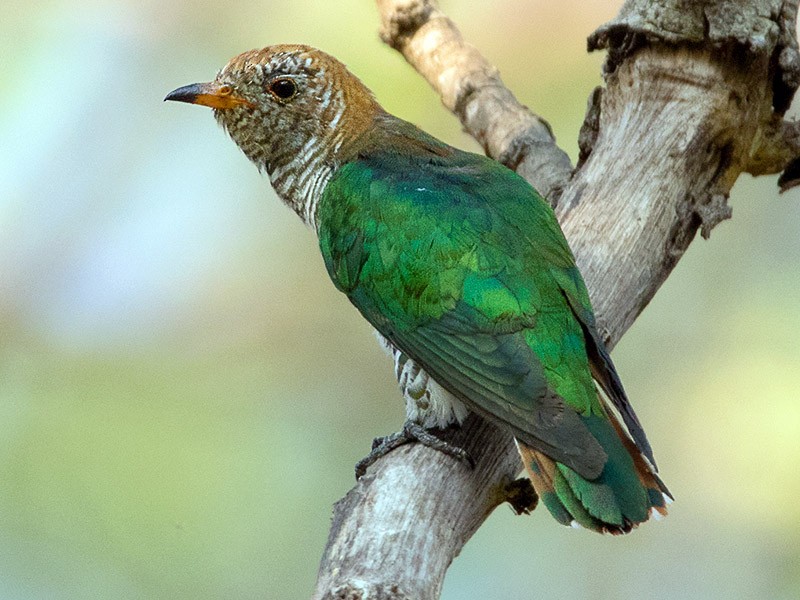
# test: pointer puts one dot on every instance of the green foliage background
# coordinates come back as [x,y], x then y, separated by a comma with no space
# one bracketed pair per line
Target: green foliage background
[183,394]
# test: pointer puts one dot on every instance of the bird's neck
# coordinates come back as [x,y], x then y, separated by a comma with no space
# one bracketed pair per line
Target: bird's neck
[301,179]
[303,167]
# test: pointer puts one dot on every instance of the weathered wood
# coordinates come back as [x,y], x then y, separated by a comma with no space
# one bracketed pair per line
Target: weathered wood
[673,129]
[414,533]
[694,96]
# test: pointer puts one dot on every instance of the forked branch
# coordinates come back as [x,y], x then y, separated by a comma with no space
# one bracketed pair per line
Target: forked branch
[693,98]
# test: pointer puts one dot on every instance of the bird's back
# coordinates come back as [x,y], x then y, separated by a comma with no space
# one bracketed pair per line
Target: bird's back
[429,241]
[462,265]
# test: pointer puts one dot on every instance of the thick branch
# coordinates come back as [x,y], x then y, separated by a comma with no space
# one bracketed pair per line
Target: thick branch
[691,101]
[757,35]
[674,118]
[414,534]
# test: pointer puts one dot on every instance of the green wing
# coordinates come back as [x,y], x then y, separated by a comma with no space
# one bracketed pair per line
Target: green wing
[459,263]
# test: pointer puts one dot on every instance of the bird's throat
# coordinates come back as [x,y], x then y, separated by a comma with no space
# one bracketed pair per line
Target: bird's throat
[300,183]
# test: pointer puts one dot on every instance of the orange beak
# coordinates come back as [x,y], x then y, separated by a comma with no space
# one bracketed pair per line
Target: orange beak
[215,95]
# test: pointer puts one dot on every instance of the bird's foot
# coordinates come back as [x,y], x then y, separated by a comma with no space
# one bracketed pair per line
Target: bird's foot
[411,432]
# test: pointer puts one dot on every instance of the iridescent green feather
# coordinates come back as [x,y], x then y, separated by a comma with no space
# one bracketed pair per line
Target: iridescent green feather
[462,265]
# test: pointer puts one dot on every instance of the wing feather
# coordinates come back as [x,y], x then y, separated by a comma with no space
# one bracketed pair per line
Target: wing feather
[462,269]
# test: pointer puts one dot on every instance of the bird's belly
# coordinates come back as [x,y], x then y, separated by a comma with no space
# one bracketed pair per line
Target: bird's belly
[427,403]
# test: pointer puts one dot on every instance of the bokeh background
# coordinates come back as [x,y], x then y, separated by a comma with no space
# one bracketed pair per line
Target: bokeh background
[183,394]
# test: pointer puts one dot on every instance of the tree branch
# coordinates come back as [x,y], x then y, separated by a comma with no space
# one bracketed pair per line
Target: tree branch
[472,89]
[695,94]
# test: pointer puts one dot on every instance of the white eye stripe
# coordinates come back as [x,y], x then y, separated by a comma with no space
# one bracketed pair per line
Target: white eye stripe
[339,111]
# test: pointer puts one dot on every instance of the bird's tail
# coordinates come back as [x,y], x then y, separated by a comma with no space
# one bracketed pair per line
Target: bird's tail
[626,492]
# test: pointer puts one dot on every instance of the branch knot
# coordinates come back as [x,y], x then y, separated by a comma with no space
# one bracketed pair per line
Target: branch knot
[712,211]
[362,590]
[404,21]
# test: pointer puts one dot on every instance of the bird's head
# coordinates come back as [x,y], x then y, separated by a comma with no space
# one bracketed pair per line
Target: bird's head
[294,111]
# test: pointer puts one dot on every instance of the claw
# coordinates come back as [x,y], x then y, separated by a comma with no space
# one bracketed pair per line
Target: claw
[411,432]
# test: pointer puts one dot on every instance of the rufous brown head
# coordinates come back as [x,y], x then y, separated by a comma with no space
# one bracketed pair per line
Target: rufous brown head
[292,109]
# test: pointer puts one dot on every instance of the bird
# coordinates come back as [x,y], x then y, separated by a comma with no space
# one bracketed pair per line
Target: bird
[462,269]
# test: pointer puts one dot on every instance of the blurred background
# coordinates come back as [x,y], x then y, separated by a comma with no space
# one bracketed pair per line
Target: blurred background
[183,394]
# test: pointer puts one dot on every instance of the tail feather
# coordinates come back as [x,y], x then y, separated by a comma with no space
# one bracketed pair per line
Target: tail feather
[660,496]
[625,494]
[542,472]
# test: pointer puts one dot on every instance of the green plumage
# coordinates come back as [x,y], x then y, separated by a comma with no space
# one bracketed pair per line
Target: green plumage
[462,265]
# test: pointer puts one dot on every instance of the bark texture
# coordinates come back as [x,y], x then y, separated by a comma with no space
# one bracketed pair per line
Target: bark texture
[695,95]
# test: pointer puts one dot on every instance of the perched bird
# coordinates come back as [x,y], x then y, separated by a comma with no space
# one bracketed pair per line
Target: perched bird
[460,266]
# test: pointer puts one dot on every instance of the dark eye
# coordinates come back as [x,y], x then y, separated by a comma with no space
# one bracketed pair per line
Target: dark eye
[283,88]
